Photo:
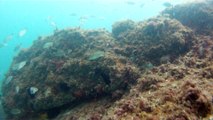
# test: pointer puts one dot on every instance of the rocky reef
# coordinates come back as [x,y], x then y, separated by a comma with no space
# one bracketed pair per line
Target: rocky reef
[158,69]
[198,16]
[72,65]
[152,40]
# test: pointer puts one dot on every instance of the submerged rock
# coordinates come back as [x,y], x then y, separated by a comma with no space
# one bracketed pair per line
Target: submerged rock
[62,77]
[153,39]
[201,15]
[122,27]
[89,64]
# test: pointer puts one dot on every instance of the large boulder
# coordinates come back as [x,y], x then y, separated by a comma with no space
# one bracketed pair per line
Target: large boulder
[72,65]
[153,40]
[201,15]
[59,70]
[122,27]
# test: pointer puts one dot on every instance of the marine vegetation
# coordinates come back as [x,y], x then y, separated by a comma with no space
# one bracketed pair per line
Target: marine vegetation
[157,69]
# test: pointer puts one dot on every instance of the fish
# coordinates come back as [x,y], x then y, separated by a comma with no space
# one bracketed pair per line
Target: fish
[73,14]
[3,45]
[18,47]
[92,16]
[53,24]
[101,18]
[130,3]
[49,18]
[8,38]
[142,5]
[167,4]
[82,20]
[22,32]
[84,17]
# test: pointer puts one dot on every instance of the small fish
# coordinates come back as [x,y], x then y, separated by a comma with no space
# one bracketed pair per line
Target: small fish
[130,3]
[167,4]
[73,14]
[82,20]
[101,18]
[83,17]
[22,32]
[8,38]
[142,5]
[92,16]
[53,24]
[3,45]
[17,89]
[49,17]
[18,47]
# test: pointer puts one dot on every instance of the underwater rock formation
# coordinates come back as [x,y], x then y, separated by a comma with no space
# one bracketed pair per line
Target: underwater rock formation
[77,65]
[201,15]
[160,93]
[122,27]
[153,39]
[165,67]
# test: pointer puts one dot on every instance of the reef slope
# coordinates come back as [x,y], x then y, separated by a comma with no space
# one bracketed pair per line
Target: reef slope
[158,69]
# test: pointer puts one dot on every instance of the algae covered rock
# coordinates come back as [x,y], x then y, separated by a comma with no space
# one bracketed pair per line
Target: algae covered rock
[74,65]
[201,15]
[121,27]
[59,70]
[155,38]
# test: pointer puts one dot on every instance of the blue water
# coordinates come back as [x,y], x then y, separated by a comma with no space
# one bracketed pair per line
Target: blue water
[36,16]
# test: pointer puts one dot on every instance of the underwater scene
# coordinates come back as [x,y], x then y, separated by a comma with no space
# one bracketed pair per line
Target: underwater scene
[106,60]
